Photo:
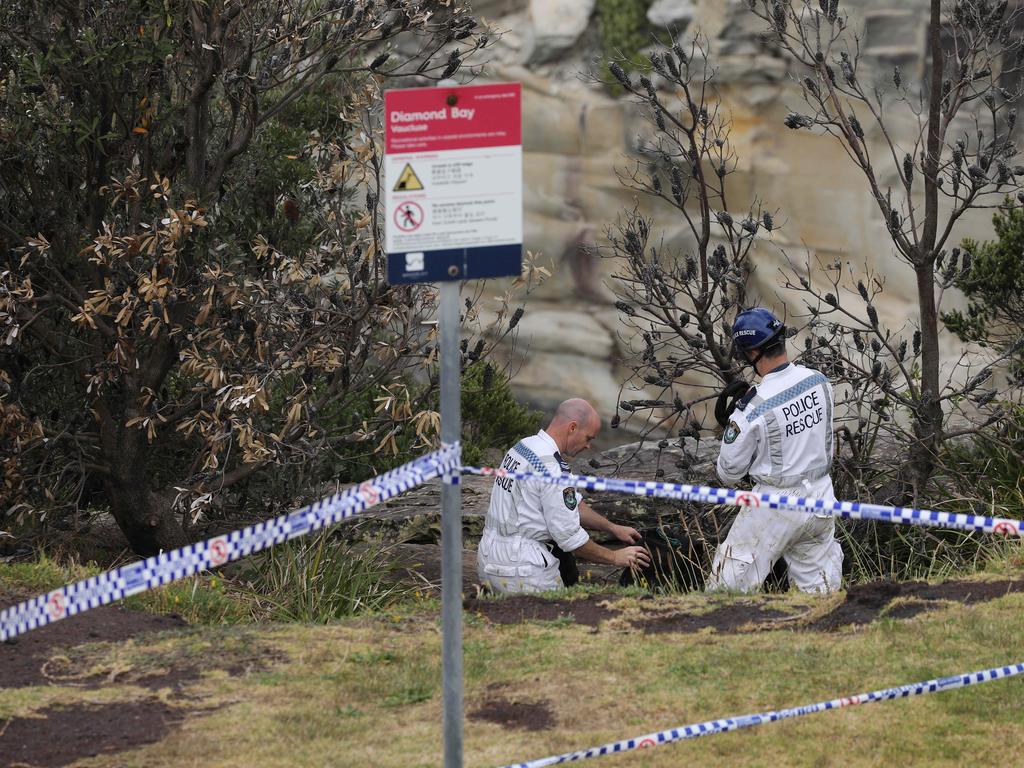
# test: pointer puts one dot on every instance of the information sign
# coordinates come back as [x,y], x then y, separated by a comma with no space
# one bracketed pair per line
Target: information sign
[453,174]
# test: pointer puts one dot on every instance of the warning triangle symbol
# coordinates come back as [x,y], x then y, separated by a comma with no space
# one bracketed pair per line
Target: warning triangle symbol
[408,181]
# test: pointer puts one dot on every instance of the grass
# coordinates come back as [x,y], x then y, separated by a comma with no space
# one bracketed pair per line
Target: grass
[319,580]
[322,579]
[366,690]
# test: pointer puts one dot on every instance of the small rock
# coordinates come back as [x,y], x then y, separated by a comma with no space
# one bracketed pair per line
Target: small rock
[671,13]
[557,25]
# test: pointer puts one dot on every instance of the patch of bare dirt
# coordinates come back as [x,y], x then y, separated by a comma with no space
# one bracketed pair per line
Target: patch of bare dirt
[734,618]
[62,735]
[524,715]
[864,602]
[24,659]
[519,608]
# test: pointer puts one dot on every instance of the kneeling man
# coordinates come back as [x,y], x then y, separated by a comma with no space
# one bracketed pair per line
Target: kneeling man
[528,521]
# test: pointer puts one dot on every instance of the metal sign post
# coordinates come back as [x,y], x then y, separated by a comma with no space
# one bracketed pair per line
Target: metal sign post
[453,181]
[451,530]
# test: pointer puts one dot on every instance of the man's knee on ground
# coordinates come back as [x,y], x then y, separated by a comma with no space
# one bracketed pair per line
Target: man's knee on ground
[734,571]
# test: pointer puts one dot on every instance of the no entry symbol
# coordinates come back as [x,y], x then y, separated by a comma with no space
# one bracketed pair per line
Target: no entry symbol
[218,552]
[408,216]
[56,606]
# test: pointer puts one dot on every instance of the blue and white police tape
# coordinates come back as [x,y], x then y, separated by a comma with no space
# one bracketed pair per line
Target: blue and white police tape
[710,727]
[179,563]
[703,493]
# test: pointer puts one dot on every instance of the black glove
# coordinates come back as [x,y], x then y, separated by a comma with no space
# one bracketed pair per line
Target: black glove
[726,403]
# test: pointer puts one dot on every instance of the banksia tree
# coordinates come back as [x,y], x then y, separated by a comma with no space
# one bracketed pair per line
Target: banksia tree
[677,303]
[959,159]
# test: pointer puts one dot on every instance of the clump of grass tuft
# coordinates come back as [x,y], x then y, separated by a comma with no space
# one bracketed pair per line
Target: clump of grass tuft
[43,573]
[321,580]
[203,599]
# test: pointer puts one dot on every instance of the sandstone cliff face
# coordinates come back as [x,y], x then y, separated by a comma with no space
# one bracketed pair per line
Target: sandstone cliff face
[576,135]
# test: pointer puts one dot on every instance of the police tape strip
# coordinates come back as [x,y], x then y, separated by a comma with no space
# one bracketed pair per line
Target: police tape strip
[710,727]
[709,494]
[177,564]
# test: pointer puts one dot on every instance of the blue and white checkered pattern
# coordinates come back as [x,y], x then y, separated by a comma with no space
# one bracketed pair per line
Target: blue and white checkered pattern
[745,721]
[709,494]
[532,458]
[179,563]
[785,396]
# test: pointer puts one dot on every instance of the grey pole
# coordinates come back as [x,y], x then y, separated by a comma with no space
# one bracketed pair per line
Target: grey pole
[451,530]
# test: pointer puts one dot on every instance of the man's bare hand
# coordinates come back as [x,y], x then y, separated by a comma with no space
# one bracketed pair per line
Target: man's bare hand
[632,557]
[626,534]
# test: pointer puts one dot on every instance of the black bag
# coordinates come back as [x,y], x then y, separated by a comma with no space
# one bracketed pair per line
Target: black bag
[676,564]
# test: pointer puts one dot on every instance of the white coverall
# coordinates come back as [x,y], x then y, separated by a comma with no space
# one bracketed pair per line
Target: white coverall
[523,516]
[781,435]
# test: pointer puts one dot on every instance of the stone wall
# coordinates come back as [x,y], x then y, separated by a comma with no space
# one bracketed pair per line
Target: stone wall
[576,135]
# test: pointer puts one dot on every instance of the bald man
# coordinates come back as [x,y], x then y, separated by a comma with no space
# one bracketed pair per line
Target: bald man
[529,523]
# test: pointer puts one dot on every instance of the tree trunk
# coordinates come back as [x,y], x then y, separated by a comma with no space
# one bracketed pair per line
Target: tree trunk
[928,418]
[145,518]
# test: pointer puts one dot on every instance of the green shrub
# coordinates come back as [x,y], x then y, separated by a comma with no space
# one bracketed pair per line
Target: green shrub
[624,31]
[991,275]
[491,416]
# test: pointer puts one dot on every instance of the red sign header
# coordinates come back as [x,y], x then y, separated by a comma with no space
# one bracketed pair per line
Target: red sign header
[457,117]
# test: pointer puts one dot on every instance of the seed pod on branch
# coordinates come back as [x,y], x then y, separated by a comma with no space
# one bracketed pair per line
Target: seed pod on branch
[894,221]
[658,64]
[647,85]
[516,317]
[796,121]
[677,186]
[779,19]
[619,74]
[454,62]
[872,315]
[855,126]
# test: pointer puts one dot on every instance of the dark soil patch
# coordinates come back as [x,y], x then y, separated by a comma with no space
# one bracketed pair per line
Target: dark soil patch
[910,609]
[526,715]
[519,608]
[65,734]
[726,619]
[22,658]
[864,602]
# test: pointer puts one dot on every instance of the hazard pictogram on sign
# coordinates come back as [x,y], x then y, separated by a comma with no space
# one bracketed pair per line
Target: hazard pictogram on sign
[408,216]
[408,181]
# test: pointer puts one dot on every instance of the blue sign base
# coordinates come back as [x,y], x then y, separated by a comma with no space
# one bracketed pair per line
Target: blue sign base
[455,264]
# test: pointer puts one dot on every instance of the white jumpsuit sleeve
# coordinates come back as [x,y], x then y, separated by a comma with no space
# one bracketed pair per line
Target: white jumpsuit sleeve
[737,455]
[563,521]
